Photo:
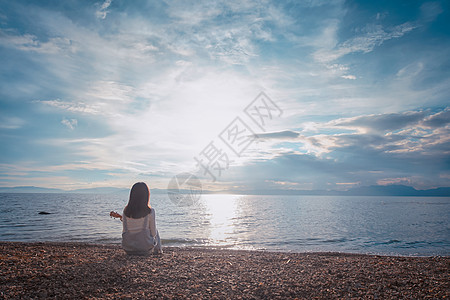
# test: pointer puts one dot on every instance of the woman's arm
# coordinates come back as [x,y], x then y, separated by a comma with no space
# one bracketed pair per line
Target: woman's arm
[152,223]
[154,232]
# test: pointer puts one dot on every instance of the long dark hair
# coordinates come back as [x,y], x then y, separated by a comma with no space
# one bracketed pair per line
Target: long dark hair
[139,204]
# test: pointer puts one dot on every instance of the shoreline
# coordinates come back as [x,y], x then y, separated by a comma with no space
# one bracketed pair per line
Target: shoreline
[231,248]
[104,271]
[222,248]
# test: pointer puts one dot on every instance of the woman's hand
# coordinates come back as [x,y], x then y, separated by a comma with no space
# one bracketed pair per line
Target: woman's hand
[115,215]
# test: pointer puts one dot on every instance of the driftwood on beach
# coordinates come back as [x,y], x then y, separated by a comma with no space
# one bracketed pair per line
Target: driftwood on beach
[73,270]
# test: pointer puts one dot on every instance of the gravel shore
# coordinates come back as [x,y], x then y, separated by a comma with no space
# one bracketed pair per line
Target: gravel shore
[74,270]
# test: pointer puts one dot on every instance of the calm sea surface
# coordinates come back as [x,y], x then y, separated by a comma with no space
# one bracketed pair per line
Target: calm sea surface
[381,225]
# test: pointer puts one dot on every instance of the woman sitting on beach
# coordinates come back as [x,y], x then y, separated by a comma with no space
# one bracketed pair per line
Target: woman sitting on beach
[139,235]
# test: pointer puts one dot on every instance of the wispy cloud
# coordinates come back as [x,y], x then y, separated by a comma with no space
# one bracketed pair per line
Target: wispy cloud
[7,122]
[70,123]
[375,36]
[278,135]
[379,122]
[29,42]
[76,107]
[352,77]
[233,40]
[103,10]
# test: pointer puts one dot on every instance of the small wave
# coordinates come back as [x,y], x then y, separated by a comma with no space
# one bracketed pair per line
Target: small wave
[398,244]
[332,241]
[183,242]
[391,242]
[378,243]
[416,243]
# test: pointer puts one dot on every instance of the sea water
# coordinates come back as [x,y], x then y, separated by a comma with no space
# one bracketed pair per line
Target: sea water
[355,224]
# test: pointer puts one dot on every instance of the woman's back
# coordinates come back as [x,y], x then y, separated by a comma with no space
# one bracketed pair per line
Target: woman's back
[139,234]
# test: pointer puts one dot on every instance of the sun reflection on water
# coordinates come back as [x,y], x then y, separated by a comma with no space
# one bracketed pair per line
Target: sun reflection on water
[222,211]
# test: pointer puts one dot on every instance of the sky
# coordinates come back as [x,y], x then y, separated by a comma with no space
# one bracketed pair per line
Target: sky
[245,95]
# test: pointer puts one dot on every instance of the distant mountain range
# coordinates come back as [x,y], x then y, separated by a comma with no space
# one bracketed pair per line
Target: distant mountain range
[373,190]
[34,189]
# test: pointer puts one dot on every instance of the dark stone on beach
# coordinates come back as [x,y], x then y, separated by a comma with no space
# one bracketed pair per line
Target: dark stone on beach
[44,213]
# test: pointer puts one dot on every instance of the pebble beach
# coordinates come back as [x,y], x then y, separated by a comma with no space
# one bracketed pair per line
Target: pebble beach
[87,271]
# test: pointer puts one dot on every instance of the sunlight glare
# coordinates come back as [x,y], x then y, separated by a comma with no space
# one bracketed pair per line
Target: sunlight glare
[222,210]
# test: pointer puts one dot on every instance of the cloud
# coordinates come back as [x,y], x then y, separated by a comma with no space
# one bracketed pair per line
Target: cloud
[70,123]
[103,10]
[375,36]
[411,70]
[29,42]
[110,91]
[278,135]
[379,122]
[390,181]
[439,119]
[108,98]
[412,134]
[403,148]
[352,77]
[226,31]
[11,122]
[415,134]
[430,10]
[75,107]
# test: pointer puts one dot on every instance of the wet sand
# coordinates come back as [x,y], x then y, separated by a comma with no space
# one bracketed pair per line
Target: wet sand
[75,270]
